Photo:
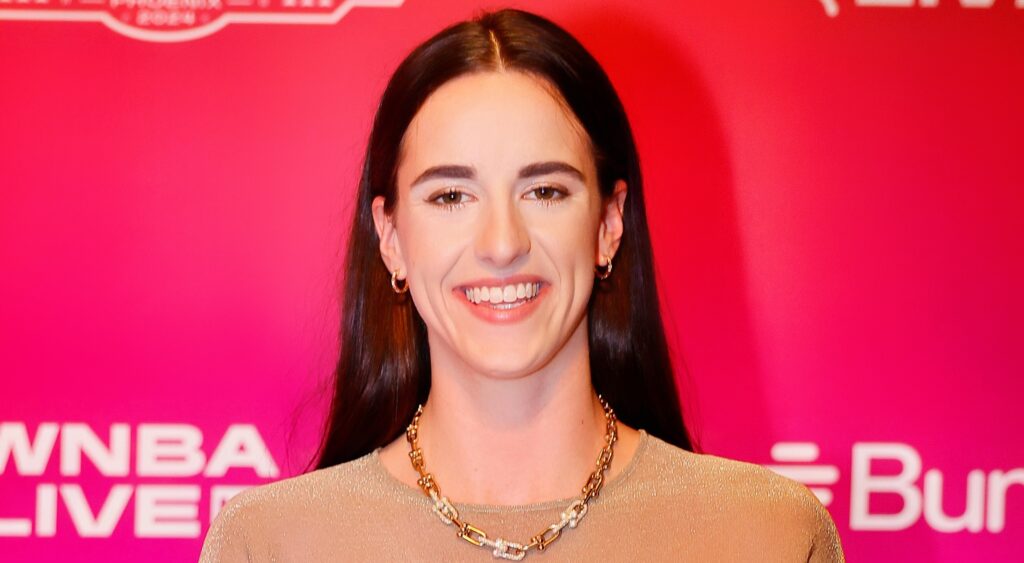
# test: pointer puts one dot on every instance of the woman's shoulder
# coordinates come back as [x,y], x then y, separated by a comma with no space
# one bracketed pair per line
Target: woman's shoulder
[713,473]
[753,499]
[307,490]
[263,512]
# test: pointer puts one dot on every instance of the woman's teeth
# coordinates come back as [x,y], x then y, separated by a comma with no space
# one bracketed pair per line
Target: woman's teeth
[501,295]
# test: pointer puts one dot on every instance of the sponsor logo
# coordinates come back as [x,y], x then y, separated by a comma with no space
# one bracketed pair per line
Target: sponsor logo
[184,20]
[161,468]
[984,509]
[832,6]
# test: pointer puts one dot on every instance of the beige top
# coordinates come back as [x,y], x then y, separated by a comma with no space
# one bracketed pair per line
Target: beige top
[667,504]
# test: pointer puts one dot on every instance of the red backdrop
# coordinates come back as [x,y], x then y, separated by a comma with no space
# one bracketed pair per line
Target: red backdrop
[834,191]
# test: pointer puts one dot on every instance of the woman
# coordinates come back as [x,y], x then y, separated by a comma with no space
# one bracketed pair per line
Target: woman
[502,190]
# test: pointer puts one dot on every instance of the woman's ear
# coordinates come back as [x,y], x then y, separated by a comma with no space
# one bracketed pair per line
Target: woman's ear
[612,225]
[390,251]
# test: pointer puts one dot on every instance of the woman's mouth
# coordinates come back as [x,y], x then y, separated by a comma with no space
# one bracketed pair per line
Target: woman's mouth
[503,297]
[502,303]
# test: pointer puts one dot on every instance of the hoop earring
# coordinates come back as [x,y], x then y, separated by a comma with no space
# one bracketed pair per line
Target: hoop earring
[603,274]
[394,283]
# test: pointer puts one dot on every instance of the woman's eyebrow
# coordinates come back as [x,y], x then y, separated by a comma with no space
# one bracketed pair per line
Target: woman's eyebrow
[550,167]
[469,173]
[445,171]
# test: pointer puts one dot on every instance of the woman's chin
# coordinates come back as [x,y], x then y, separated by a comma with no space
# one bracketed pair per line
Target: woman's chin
[504,362]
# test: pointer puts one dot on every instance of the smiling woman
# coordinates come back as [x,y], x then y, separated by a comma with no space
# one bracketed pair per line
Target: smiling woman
[486,337]
[503,159]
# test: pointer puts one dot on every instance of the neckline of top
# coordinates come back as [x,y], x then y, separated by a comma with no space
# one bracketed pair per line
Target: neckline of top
[378,466]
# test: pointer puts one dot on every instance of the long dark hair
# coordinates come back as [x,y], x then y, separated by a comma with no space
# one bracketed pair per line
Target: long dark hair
[383,371]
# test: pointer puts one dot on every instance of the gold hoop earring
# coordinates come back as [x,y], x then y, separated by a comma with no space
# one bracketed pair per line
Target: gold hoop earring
[394,283]
[603,274]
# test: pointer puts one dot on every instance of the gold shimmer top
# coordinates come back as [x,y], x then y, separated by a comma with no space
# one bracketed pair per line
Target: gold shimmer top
[667,504]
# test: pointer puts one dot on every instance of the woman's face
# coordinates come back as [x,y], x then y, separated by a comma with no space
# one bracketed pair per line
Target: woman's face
[498,223]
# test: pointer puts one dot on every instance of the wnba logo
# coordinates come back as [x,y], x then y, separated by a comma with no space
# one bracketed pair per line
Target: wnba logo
[183,20]
[162,467]
[985,506]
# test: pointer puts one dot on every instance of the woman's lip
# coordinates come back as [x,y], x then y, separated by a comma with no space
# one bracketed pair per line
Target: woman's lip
[485,312]
[501,282]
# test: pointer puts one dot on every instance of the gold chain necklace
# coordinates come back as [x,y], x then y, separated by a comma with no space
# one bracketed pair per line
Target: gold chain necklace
[505,549]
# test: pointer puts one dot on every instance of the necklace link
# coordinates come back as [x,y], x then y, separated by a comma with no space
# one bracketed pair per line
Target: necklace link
[445,510]
[472,534]
[544,539]
[508,550]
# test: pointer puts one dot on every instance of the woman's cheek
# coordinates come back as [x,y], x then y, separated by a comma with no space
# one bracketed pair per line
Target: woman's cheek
[424,232]
[574,233]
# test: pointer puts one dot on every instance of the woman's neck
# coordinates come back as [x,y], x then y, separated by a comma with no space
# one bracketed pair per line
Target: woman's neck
[512,441]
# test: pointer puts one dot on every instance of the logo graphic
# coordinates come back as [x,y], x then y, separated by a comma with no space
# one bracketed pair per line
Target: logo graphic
[814,476]
[168,21]
[832,6]
[161,468]
[984,498]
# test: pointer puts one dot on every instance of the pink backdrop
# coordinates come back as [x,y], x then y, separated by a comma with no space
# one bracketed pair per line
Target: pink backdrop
[834,193]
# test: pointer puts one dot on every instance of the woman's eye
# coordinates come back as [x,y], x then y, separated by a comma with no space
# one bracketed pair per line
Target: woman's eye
[547,194]
[449,199]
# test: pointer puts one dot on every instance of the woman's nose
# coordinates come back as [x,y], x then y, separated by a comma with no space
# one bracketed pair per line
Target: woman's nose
[502,236]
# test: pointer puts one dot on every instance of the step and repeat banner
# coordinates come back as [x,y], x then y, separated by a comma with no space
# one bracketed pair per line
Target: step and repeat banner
[834,190]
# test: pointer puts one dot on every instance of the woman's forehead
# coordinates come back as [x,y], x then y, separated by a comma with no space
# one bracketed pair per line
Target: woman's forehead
[496,122]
